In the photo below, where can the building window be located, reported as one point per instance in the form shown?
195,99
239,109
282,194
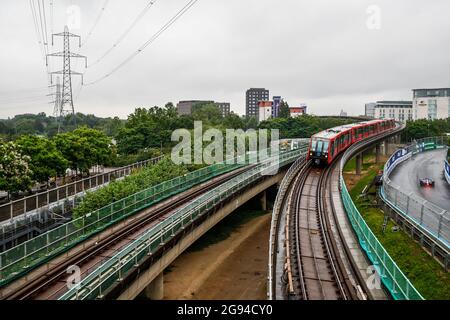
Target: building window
448,114
432,109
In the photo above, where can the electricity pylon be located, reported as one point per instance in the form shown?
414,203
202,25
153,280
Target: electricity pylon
66,100
57,103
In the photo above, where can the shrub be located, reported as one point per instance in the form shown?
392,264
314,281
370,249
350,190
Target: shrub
117,190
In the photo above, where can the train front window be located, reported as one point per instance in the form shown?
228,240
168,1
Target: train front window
319,146
313,145
325,146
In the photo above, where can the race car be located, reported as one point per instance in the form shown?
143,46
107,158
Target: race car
426,182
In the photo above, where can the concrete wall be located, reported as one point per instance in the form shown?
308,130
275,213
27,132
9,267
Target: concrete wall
146,277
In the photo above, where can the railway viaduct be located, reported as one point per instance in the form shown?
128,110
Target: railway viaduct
146,275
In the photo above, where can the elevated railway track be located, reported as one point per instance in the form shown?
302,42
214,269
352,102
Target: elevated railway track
311,255
49,282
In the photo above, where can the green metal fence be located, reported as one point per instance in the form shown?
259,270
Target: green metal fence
114,269
392,277
22,258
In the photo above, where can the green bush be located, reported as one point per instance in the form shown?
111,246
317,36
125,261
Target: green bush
117,190
126,160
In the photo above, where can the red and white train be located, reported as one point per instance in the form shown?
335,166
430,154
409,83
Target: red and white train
326,145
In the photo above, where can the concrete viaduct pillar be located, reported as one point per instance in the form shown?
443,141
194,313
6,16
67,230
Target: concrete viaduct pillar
264,201
378,153
386,147
155,290
359,163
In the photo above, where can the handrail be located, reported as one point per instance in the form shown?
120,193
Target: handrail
39,200
101,279
430,218
391,275
447,171
277,207
55,241
18,260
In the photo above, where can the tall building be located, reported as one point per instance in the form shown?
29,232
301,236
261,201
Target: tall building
370,110
399,110
431,103
185,107
224,108
276,106
253,97
265,110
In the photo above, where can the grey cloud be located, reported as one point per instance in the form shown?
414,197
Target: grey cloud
319,52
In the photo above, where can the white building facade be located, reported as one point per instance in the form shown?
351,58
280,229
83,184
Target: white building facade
431,104
401,111
265,110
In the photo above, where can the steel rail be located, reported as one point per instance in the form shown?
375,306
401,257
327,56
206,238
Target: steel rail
58,271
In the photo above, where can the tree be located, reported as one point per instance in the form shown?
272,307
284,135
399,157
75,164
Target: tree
207,112
284,110
84,148
15,174
150,128
45,159
233,121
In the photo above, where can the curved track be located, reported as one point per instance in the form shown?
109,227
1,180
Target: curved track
53,283
315,269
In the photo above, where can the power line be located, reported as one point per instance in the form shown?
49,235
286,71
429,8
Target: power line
45,23
155,36
127,31
95,23
51,17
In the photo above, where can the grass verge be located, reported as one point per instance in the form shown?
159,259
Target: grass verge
425,273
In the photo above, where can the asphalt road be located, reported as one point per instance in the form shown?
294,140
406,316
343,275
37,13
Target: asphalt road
429,164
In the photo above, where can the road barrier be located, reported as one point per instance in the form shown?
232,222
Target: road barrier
447,171
432,219
392,277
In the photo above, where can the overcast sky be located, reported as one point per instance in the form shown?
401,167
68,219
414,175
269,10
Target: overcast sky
328,54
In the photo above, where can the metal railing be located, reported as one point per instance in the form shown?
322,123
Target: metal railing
41,248
10,210
116,268
277,208
391,275
447,171
432,219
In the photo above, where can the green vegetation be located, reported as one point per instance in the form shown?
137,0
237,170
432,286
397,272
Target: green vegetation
284,110
425,273
302,127
46,160
41,124
15,173
84,148
35,159
425,128
367,163
152,128
117,190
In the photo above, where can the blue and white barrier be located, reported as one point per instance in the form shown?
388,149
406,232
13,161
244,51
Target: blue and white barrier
447,172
